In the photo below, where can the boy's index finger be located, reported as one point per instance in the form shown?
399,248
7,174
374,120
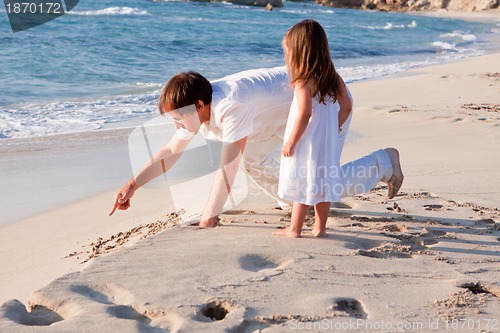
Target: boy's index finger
117,204
114,208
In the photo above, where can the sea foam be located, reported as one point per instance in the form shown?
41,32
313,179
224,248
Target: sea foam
112,11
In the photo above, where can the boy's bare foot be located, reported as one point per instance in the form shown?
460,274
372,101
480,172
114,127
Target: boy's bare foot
288,232
394,184
319,233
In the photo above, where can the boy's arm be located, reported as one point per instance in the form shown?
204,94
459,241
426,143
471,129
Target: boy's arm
304,105
230,160
160,163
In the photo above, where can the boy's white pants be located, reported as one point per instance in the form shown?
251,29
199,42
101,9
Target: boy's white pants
359,176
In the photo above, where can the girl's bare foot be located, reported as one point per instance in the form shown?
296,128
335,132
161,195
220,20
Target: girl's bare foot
319,233
288,232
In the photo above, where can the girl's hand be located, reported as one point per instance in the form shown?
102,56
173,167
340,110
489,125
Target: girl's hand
288,149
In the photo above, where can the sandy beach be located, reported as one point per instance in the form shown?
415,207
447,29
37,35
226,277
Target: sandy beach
426,261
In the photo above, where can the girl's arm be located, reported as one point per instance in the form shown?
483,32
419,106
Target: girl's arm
304,105
345,104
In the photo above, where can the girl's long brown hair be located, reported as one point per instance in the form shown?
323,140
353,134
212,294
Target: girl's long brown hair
308,57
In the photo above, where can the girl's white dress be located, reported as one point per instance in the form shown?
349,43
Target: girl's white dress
313,174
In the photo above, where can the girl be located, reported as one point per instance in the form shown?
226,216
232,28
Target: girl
310,163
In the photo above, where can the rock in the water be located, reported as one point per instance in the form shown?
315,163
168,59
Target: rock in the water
263,3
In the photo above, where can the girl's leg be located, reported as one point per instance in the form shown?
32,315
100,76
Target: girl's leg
299,212
322,210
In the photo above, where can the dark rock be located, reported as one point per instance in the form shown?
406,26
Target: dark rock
262,3
413,5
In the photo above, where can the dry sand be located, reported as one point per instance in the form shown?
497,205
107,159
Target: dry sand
427,260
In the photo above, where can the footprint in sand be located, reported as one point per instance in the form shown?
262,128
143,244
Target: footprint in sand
127,312
362,244
393,228
341,307
115,310
385,253
486,212
215,310
469,300
340,205
433,233
480,288
409,244
349,306
219,315
372,219
36,315
380,250
433,207
420,241
257,262
108,298
120,303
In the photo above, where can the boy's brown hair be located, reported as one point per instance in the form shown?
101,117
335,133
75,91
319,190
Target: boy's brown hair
308,57
184,89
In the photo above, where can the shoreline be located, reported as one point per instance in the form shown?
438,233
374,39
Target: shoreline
446,234
96,102
43,184
486,16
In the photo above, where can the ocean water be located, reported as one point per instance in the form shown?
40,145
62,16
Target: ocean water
105,61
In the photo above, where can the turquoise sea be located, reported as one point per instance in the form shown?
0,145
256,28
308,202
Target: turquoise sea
105,61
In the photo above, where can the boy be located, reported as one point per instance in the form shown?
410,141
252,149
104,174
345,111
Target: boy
248,112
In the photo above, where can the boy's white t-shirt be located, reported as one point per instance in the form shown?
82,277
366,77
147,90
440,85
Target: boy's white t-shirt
253,104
